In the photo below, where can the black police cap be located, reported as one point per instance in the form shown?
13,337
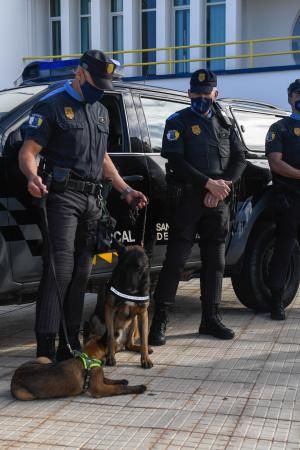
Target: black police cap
99,66
203,81
294,87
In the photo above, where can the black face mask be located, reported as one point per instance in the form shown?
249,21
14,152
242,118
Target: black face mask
297,105
90,93
201,104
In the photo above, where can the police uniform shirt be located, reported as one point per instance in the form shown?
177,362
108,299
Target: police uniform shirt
284,137
73,134
214,150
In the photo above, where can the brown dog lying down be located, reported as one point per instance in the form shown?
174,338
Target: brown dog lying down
41,378
125,302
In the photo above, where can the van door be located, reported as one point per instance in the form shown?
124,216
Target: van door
152,113
23,232
126,151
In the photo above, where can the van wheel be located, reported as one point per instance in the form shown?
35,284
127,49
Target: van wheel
251,286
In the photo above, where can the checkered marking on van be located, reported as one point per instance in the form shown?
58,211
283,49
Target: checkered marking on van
16,225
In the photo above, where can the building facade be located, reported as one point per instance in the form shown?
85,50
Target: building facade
32,28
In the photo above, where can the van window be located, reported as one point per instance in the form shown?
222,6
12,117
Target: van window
118,136
156,112
254,127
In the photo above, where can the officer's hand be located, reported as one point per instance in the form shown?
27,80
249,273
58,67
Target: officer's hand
218,188
210,201
36,187
136,199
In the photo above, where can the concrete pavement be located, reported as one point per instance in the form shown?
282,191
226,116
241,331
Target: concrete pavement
202,393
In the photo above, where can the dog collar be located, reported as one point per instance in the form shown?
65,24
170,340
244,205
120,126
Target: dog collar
88,364
134,298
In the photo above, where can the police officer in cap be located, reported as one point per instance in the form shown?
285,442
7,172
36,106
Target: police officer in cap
69,128
283,152
205,157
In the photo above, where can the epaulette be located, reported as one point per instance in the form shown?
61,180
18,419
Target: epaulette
173,116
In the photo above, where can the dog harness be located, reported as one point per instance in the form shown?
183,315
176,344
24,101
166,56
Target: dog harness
133,298
88,364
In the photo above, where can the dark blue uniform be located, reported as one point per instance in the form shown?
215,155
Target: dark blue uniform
284,137
73,135
198,148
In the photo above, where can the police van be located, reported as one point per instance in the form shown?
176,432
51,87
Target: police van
137,118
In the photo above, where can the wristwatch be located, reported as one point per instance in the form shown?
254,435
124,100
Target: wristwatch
125,192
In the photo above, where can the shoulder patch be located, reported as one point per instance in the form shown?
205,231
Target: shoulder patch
173,135
270,136
35,120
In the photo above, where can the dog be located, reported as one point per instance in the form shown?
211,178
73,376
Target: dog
43,379
125,303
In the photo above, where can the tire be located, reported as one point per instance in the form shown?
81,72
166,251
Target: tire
250,285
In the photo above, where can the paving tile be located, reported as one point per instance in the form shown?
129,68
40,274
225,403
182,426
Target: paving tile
267,429
18,427
272,409
119,438
225,389
202,393
216,404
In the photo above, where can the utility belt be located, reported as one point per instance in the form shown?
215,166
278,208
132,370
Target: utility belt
60,179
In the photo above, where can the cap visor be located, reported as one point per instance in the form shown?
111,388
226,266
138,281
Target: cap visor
202,89
102,83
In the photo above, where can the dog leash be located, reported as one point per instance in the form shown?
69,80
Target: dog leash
133,215
42,205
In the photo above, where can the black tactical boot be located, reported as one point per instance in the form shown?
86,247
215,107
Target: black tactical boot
63,352
211,323
45,345
276,307
157,334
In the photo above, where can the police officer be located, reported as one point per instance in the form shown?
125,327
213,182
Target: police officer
283,152
204,157
69,127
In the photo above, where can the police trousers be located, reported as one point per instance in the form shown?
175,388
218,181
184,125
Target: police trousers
72,220
286,206
192,217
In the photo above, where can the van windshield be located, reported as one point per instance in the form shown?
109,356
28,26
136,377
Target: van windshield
10,98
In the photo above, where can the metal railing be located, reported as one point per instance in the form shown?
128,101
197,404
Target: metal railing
170,61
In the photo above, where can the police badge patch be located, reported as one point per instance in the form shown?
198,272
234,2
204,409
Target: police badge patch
35,120
297,131
196,130
69,113
173,135
270,136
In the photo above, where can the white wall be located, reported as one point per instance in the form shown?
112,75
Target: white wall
22,24
269,87
269,18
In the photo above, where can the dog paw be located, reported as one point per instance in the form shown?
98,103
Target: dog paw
143,388
150,350
125,382
146,363
111,361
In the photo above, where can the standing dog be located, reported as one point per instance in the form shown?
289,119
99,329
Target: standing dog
41,378
126,301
